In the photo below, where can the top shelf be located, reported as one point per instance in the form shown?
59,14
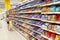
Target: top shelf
24,4
54,3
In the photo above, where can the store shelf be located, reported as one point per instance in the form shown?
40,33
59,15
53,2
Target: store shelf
39,11
23,4
55,22
50,13
35,31
27,33
51,31
41,27
53,3
38,33
29,12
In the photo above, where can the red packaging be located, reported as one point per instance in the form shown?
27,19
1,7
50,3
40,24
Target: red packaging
53,35
49,34
58,17
47,1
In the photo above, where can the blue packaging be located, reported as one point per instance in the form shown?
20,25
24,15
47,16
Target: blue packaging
58,9
40,1
44,17
52,8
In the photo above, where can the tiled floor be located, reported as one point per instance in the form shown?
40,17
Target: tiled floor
9,35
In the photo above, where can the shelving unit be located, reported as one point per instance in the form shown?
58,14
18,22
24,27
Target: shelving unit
39,26
33,18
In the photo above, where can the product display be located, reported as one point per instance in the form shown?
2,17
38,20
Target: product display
40,22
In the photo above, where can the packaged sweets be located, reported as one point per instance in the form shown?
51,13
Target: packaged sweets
49,17
58,9
45,9
52,8
39,16
49,34
57,37
35,28
44,17
40,30
41,1
57,28
45,33
47,1
50,26
35,15
58,17
38,37
53,35
45,25
53,26
53,18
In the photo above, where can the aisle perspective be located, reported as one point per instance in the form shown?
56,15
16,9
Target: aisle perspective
37,20
4,33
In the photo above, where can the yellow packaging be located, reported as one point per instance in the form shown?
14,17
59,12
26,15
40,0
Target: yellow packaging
57,37
53,18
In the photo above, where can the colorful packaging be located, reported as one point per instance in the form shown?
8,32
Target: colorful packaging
58,9
53,35
57,37
50,27
58,17
57,28
44,17
49,34
40,30
45,9
53,18
52,8
49,17
41,1
45,25
47,1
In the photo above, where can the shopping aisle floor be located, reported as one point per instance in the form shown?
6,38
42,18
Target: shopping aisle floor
9,35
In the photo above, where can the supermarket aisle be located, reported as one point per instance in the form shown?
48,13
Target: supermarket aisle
9,35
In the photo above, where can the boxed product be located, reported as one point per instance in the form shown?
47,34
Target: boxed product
49,17
45,9
45,25
47,1
57,28
53,18
44,17
53,9
39,16
50,26
58,9
40,30
57,37
58,17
